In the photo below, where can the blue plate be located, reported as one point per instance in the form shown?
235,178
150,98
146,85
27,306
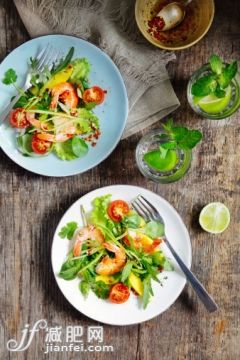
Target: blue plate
112,113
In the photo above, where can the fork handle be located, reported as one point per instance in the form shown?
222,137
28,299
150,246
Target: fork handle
202,293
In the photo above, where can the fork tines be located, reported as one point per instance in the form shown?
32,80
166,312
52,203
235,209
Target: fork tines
142,208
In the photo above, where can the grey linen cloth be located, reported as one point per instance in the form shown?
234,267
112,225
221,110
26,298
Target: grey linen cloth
110,24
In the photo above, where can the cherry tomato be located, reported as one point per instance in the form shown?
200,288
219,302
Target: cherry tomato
119,293
95,94
40,146
18,118
117,209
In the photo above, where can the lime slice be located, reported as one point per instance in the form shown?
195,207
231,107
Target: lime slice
214,218
212,104
154,160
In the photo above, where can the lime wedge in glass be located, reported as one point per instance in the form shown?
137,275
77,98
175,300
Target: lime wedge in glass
214,218
212,104
154,160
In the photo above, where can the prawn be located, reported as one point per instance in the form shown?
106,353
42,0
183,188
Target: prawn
54,138
34,122
89,232
108,265
66,93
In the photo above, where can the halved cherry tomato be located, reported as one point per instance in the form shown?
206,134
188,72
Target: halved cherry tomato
119,293
94,95
18,118
117,209
40,146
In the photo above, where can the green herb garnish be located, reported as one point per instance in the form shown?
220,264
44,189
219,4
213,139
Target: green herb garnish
10,77
68,230
215,83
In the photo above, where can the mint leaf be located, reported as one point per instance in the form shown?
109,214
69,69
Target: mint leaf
179,133
170,145
169,124
204,85
68,230
216,64
219,92
10,77
190,140
228,73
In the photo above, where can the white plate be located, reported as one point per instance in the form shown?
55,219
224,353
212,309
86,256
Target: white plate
130,312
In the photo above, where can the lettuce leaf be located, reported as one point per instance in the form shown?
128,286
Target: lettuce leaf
99,215
24,146
85,119
71,149
64,150
81,69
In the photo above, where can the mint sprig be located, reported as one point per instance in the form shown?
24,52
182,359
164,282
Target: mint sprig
179,137
220,78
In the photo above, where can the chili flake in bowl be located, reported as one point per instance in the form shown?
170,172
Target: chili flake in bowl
196,23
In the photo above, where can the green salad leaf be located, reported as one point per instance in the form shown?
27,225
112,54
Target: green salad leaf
10,77
101,289
21,103
147,291
158,258
63,62
71,149
84,287
24,144
132,221
126,271
64,150
70,268
99,215
154,229
79,147
68,230
81,70
83,115
168,266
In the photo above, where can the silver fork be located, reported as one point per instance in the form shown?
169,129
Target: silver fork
47,57
145,209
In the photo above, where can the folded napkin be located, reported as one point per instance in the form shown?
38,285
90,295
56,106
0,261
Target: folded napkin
111,25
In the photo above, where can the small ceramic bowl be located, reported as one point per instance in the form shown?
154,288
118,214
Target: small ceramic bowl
197,21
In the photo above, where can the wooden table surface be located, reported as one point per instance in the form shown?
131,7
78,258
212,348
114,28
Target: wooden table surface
32,205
